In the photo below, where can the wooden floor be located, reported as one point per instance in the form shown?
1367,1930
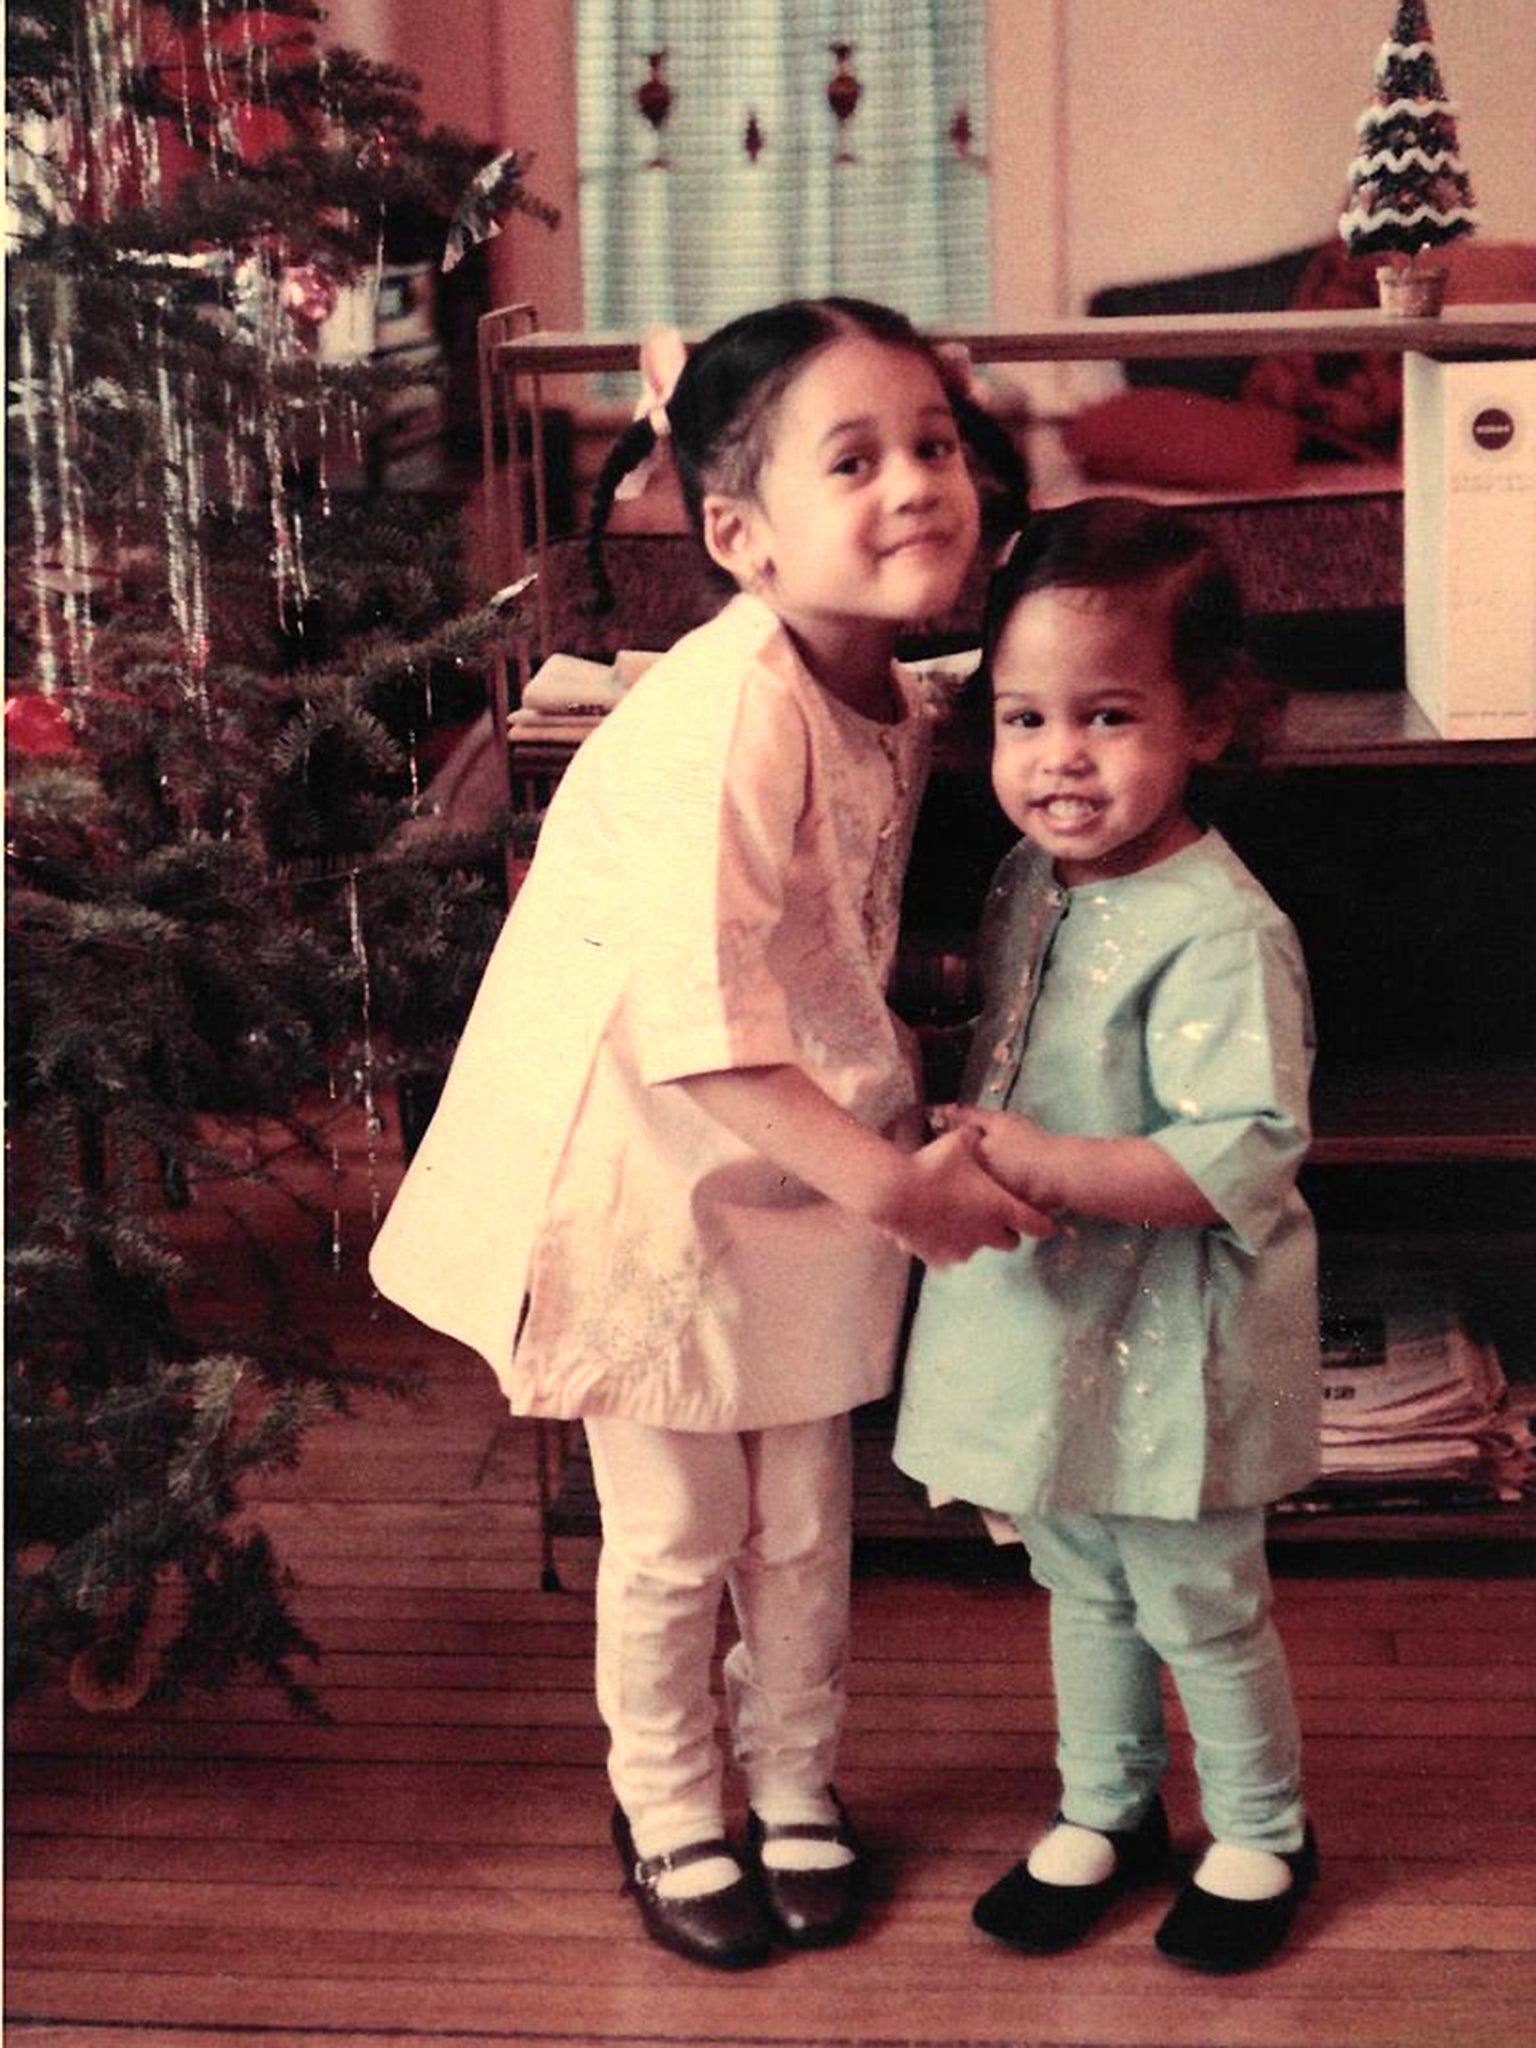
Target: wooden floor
433,1867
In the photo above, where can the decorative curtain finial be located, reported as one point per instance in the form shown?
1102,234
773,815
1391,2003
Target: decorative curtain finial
962,137
843,95
654,99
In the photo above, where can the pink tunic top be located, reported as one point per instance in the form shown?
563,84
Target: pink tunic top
717,886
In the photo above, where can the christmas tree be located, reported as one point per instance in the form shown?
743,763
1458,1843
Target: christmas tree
1407,189
224,649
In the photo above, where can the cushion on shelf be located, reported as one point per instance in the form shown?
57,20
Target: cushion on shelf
1353,404
1263,287
1349,404
565,683
1345,404
1489,273
1159,435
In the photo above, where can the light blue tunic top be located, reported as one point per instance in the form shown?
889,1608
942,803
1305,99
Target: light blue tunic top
1116,1368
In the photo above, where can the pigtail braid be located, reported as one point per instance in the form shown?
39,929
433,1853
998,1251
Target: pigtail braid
636,442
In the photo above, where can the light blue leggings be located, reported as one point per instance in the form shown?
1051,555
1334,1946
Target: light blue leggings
1129,1595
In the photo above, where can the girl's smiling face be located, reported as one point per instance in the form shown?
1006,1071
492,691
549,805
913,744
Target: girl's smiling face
863,516
1093,735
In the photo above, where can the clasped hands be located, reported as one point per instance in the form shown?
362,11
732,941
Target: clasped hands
968,1188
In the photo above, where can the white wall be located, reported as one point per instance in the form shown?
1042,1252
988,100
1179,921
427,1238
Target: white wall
1185,134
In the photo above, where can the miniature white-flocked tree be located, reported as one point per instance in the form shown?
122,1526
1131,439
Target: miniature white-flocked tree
1408,192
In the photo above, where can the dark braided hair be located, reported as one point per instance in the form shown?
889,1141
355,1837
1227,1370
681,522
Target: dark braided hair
1117,543
721,414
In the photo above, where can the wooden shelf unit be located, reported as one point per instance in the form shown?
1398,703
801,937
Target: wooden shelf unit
1462,1115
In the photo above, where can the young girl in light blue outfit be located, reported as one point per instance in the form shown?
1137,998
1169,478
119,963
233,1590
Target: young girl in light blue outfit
1133,1390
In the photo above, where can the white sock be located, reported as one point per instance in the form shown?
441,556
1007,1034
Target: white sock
710,1874
796,1853
1229,1871
1071,1855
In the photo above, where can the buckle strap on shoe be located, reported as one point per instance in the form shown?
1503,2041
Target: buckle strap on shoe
803,1830
840,1830
649,1868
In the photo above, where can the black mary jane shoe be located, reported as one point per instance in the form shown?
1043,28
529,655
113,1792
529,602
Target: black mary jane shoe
1224,1936
725,1929
1042,1919
810,1908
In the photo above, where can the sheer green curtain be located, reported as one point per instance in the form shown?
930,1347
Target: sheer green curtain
715,232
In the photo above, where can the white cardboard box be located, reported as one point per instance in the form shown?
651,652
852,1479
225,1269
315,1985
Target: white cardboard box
1469,544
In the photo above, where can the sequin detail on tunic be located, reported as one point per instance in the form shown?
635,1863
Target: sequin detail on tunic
1003,1059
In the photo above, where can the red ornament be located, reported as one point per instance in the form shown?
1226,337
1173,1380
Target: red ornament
843,95
654,99
36,728
754,140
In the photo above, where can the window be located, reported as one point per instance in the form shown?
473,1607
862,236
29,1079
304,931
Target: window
743,186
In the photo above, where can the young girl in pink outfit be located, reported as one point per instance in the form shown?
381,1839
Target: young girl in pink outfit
675,1179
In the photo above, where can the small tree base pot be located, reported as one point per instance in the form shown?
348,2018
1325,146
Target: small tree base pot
1411,291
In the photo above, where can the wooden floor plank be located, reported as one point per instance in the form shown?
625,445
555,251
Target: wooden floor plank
64,1923
587,2006
985,1805
559,1701
528,1967
1361,1865
529,1743
475,1669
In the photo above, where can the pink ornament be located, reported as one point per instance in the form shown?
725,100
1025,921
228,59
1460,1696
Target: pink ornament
310,294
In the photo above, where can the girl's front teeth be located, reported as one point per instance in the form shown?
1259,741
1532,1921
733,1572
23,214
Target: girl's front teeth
1069,810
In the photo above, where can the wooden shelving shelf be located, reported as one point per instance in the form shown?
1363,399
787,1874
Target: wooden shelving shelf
507,344
1421,1116
1495,1522
1377,729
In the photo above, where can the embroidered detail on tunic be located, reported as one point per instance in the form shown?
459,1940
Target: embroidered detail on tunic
882,892
635,1324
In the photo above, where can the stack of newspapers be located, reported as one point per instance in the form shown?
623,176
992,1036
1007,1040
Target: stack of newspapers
1416,1409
